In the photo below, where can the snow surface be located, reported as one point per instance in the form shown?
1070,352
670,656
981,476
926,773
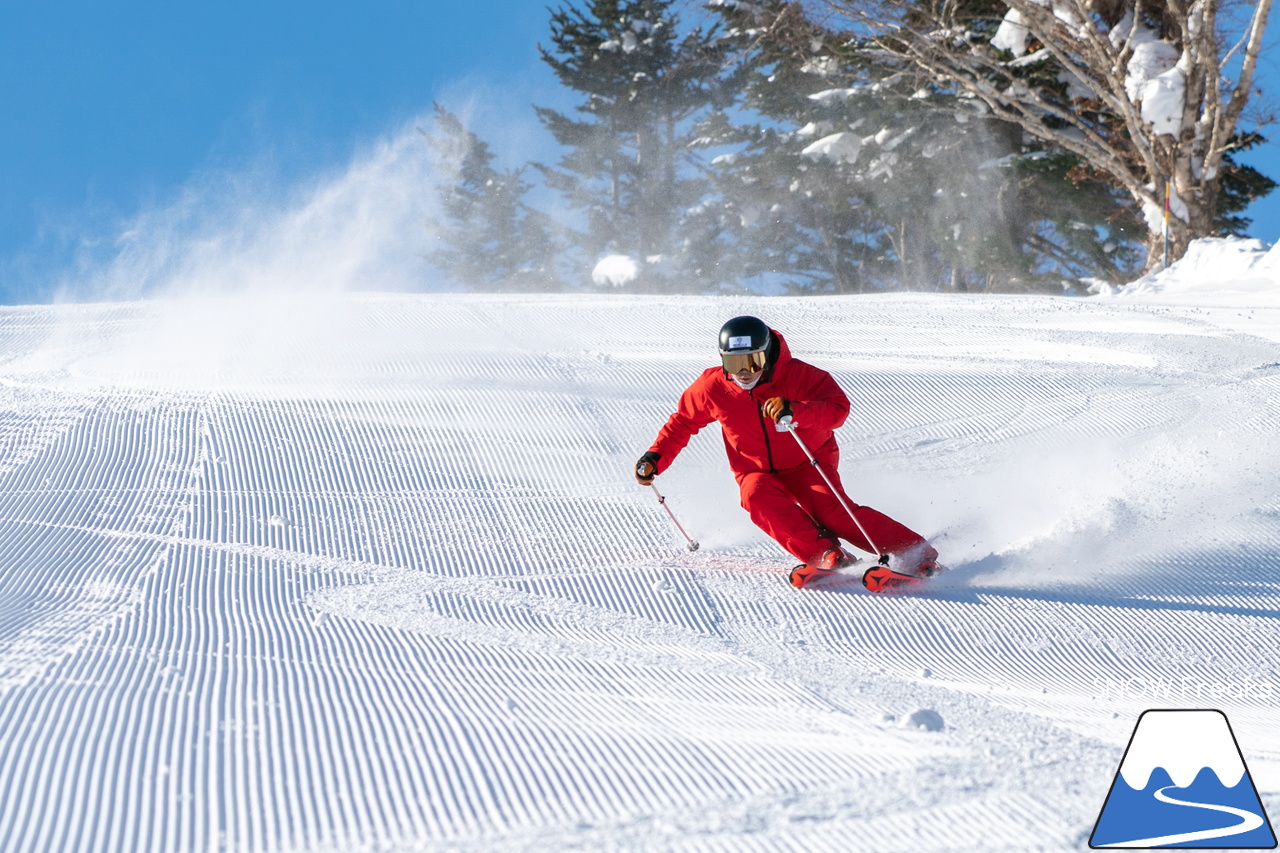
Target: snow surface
358,573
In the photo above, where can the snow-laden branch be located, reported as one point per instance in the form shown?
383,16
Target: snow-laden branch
1139,94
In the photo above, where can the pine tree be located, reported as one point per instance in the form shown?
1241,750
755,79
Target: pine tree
874,181
630,168
490,240
799,222
1240,187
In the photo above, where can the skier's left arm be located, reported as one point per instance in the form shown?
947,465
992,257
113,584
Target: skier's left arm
818,402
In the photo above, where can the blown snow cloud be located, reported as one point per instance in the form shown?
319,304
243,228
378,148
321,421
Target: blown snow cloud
359,227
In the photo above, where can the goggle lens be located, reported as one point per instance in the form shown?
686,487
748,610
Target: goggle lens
751,361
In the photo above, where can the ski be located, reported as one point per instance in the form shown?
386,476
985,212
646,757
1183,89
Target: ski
883,579
840,577
879,578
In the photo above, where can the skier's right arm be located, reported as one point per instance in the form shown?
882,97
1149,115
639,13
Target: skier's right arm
693,413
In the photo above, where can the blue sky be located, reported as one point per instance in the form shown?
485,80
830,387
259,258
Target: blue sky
109,108
113,108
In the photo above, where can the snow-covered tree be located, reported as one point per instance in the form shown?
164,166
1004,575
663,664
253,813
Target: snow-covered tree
859,180
489,240
629,165
797,218
1148,94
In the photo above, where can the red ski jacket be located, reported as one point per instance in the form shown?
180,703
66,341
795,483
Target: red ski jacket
818,404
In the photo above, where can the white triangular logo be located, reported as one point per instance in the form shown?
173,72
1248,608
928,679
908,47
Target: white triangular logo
1183,783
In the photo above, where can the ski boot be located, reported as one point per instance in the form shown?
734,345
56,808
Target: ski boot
927,568
831,561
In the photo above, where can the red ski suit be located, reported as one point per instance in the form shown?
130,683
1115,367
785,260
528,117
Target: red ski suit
785,496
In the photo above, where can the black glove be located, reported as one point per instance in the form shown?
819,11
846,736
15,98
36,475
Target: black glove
777,408
647,468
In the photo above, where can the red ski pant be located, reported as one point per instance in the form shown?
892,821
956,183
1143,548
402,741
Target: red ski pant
801,514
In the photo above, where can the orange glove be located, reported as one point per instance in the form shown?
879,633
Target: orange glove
777,408
647,468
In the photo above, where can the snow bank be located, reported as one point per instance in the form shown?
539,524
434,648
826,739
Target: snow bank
1215,265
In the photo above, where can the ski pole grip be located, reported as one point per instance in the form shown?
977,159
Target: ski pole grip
647,468
784,424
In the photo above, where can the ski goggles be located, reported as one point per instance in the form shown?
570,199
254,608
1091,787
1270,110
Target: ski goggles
749,361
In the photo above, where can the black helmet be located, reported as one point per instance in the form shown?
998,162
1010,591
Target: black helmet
744,343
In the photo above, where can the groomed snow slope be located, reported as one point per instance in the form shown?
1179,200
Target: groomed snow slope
371,573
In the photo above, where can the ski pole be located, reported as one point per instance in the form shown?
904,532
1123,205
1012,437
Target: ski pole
788,424
1168,189
693,546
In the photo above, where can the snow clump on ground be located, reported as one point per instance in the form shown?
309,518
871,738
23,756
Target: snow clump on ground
925,719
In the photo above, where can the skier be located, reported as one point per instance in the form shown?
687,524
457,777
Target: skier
759,384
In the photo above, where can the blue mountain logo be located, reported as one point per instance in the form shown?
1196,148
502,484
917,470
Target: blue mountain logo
1183,783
